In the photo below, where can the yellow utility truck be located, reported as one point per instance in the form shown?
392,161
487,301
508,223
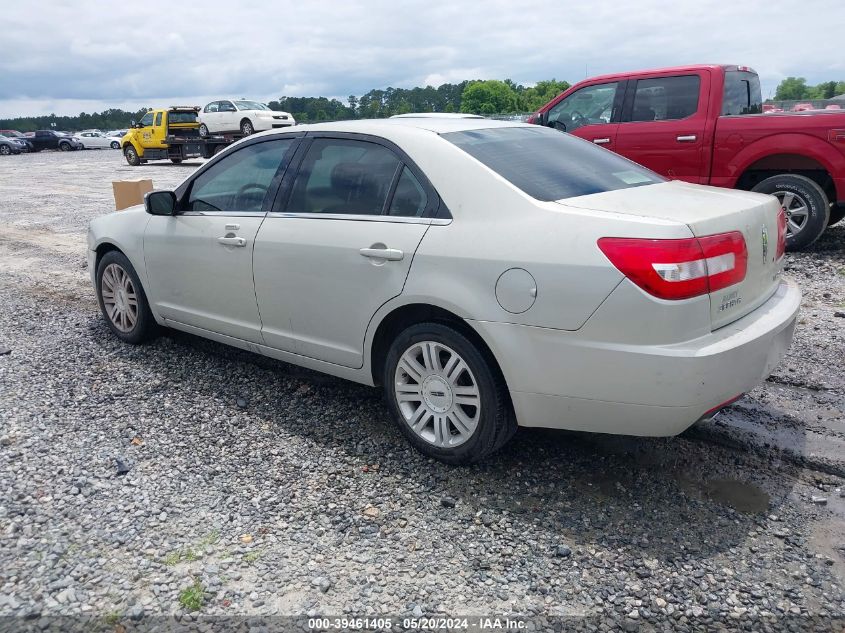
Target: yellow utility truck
169,134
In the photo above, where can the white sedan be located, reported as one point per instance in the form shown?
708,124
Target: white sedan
241,117
94,139
485,274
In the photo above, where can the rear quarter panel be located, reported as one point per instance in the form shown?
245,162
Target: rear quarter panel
742,141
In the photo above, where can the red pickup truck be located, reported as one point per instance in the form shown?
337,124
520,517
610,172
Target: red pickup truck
704,124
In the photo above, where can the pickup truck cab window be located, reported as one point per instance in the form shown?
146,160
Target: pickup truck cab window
158,119
666,98
147,120
592,105
742,93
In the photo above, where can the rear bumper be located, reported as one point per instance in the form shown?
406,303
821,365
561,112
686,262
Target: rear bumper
560,380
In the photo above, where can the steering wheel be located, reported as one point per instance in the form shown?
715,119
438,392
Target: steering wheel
252,185
579,118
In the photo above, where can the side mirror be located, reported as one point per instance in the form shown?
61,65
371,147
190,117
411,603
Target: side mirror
132,123
543,118
160,202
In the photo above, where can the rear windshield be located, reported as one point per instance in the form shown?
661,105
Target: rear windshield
742,93
182,117
551,165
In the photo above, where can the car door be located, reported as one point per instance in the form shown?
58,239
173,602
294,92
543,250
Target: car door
228,117
338,245
199,261
663,126
590,112
211,116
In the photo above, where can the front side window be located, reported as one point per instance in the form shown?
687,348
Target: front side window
548,165
343,176
226,106
147,120
666,98
592,105
241,180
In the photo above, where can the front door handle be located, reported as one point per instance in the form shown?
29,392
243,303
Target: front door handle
389,254
688,138
601,141
231,241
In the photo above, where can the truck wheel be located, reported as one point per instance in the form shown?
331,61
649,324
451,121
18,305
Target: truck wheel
203,129
131,156
246,127
837,212
805,203
175,161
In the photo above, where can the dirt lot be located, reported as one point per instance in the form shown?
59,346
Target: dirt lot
183,475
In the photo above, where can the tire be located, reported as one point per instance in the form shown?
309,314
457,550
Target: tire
203,129
801,194
247,127
837,212
459,433
5,150
175,161
65,147
115,145
121,281
131,156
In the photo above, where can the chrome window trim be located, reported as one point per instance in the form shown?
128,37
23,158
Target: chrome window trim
396,219
232,214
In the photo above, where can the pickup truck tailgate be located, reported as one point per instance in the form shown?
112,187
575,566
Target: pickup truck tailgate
708,211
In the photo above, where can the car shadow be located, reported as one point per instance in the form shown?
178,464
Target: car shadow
668,497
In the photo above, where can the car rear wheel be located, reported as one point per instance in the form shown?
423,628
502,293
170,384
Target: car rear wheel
115,145
5,150
247,127
122,299
447,397
203,129
805,204
131,156
65,146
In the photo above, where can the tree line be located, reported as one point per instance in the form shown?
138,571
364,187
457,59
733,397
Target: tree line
475,96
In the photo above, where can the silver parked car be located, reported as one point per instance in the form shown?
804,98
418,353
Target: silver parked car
486,274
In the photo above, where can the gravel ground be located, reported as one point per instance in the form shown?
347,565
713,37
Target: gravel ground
189,479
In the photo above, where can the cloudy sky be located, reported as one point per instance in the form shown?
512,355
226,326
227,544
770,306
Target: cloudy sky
69,56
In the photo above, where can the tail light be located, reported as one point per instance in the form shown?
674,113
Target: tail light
781,247
679,269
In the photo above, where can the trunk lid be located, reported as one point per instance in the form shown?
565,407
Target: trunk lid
708,211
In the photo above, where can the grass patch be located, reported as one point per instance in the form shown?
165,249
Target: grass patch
251,557
209,539
192,597
112,618
172,558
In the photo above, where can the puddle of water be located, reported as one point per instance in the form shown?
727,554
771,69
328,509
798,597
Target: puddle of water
739,495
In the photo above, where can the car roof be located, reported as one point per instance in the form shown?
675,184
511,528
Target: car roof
380,127
670,70
436,115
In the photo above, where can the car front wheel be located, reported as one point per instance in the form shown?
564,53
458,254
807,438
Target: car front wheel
5,150
447,396
131,156
122,299
65,147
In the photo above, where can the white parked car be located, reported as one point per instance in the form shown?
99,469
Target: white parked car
485,274
436,115
94,139
241,116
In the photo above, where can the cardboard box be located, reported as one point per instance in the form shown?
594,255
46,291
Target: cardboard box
128,193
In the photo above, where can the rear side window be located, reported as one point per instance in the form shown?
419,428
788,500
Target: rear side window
666,98
343,176
742,93
550,165
158,118
409,199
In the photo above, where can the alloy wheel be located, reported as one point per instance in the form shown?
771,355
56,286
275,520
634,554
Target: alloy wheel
119,298
437,394
796,210
4,150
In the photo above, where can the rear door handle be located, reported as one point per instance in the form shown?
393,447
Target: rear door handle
688,138
390,254
231,241
601,141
